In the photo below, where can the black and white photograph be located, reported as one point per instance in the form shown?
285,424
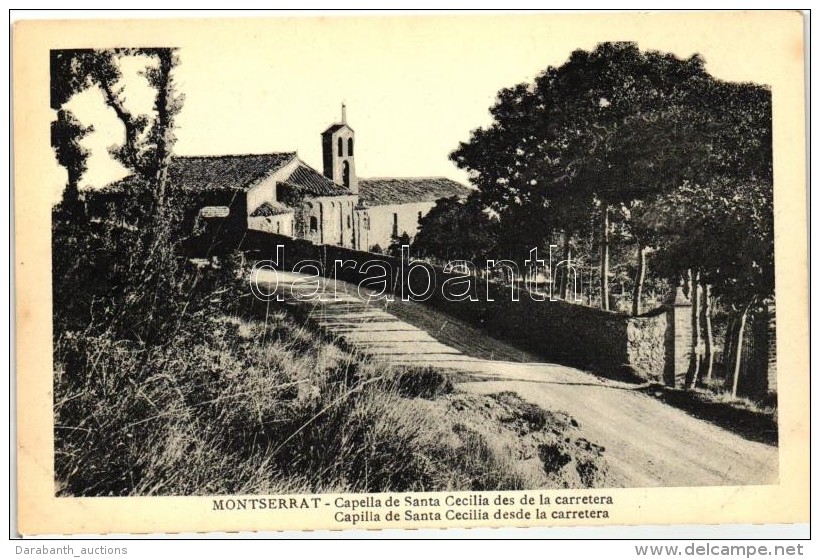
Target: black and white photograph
337,263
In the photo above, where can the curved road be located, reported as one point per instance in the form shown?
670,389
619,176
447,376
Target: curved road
648,443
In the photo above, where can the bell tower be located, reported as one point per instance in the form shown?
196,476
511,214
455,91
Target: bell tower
338,145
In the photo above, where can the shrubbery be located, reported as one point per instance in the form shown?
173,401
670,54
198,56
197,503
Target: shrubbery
167,383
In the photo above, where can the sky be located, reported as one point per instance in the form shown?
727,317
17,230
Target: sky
414,86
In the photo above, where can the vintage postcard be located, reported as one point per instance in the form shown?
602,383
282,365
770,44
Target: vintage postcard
374,271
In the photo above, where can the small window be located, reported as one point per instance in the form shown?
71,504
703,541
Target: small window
341,143
349,225
278,226
350,146
314,224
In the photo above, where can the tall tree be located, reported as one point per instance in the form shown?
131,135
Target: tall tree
612,125
145,150
148,138
457,229
725,230
66,136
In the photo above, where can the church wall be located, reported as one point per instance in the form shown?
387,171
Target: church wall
265,190
334,220
311,210
360,225
332,232
281,224
339,217
381,222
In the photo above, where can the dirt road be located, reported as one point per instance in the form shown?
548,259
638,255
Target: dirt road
647,442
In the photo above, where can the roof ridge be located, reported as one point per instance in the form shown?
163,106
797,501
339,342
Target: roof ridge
223,156
273,204
426,177
336,126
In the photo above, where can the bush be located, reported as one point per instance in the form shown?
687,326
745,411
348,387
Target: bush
423,382
108,277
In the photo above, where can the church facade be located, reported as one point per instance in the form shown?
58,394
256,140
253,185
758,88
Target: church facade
284,195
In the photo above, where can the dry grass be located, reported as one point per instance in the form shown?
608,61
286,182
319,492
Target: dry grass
716,391
169,388
233,405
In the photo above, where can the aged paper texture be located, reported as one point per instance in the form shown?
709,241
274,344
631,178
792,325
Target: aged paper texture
330,413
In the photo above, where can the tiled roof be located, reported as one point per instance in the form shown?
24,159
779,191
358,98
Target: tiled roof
239,172
305,180
268,210
224,171
387,191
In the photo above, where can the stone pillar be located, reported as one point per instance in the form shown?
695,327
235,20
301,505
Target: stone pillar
678,339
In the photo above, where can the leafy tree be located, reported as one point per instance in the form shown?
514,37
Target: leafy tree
396,242
153,273
676,160
456,229
607,129
716,229
66,135
148,138
724,233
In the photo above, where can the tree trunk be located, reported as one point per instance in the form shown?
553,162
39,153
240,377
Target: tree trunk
565,278
729,347
709,355
741,328
640,276
692,374
605,258
71,197
128,122
164,107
